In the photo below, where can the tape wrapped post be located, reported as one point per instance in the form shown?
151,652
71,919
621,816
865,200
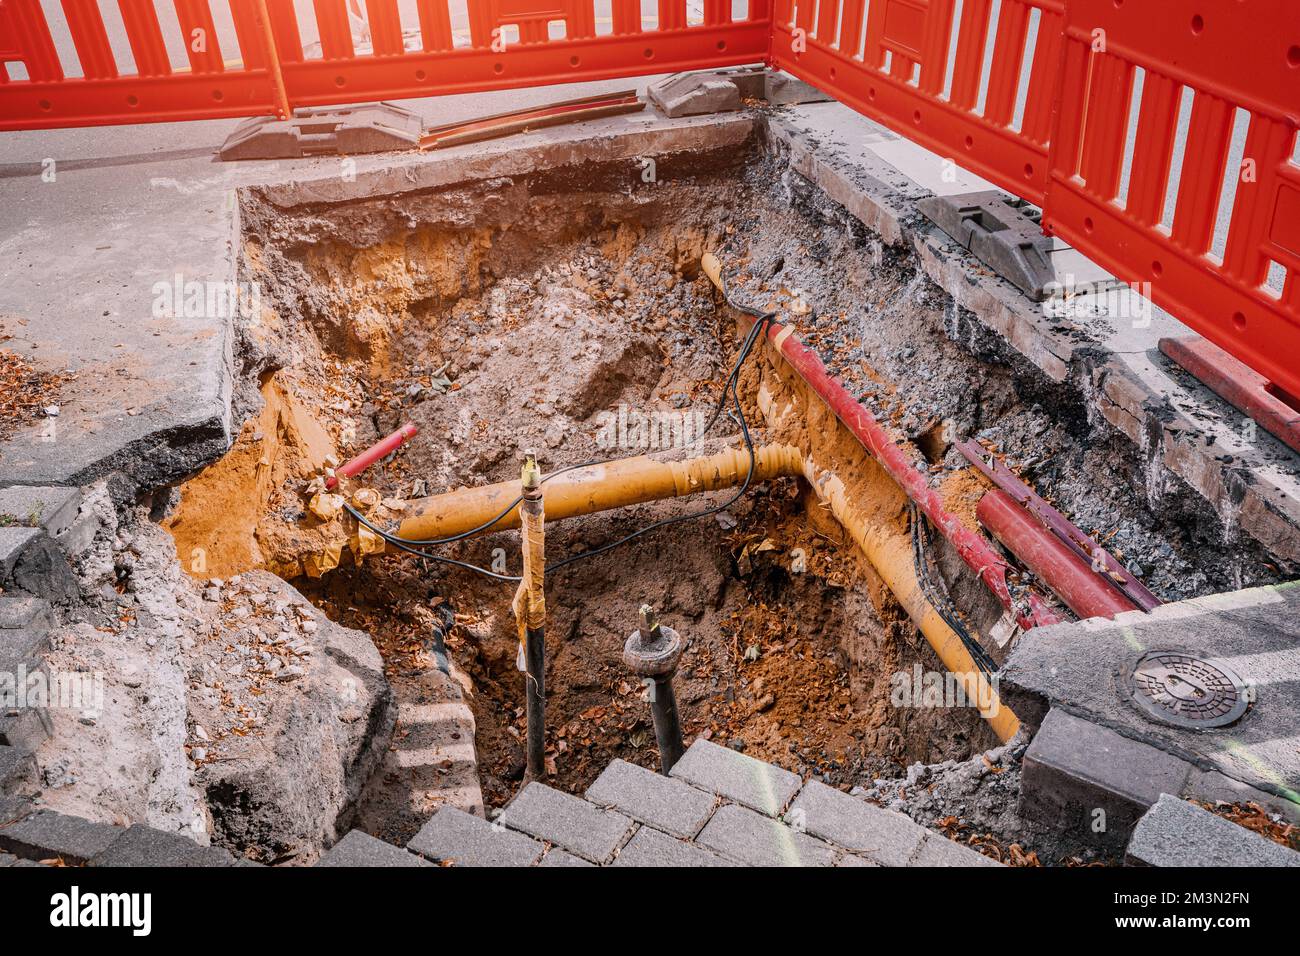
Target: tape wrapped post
529,604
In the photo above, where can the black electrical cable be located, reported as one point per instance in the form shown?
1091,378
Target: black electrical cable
941,603
430,542
403,546
749,476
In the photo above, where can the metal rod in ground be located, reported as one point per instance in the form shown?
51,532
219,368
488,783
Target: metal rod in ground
652,653
668,728
530,611
535,656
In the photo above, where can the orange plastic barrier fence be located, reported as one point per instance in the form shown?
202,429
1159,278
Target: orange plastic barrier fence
184,72
1221,252
1091,109
942,73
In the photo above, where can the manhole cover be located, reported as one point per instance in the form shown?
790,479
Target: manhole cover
1187,691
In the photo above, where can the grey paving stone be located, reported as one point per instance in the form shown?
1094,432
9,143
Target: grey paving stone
558,857
361,849
649,847
47,834
885,836
756,840
467,840
140,845
7,859
666,804
741,779
1074,768
938,850
694,94
568,821
1177,833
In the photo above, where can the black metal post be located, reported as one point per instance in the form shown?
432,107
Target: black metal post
668,728
535,660
652,652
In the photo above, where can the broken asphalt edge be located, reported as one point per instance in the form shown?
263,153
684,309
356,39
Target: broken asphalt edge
1259,498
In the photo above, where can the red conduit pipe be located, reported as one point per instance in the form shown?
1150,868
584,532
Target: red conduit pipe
381,449
978,554
1083,591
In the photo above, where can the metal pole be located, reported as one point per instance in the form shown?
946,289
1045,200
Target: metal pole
652,652
668,729
280,95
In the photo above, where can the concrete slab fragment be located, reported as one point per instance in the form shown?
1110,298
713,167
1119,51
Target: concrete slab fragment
782,89
30,560
1176,833
46,834
24,611
1092,782
694,94
52,509
1255,633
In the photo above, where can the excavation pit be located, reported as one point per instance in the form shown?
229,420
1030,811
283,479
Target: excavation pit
564,309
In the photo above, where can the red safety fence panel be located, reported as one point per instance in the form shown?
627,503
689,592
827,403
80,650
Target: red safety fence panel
974,81
179,75
1222,251
178,66
1038,96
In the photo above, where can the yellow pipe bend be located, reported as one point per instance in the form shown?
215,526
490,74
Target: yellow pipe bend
635,480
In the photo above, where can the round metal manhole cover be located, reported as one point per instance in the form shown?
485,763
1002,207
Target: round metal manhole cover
1187,691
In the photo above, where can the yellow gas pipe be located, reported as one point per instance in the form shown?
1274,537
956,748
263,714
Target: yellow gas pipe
635,480
594,488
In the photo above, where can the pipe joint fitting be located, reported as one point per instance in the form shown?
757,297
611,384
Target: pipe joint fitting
657,657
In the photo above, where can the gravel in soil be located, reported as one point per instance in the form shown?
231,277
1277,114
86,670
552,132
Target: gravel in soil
453,319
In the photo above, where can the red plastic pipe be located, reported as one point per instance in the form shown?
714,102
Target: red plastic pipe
381,449
1083,591
978,554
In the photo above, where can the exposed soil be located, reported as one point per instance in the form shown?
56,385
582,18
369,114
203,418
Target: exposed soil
508,315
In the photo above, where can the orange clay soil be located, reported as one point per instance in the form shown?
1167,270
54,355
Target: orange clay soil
227,522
